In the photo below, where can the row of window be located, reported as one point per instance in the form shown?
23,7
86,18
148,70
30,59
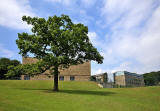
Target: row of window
134,81
61,78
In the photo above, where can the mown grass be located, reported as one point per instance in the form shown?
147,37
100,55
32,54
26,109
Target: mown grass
75,96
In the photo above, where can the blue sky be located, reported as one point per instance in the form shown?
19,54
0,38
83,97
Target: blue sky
126,33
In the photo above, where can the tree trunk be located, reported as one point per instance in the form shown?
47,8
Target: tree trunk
55,78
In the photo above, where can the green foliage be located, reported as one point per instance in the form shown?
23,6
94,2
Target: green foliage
27,69
4,64
152,78
14,71
58,42
15,62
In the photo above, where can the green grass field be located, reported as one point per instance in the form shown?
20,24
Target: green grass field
75,96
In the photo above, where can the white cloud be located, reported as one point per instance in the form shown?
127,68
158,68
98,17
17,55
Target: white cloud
11,12
100,71
76,9
5,52
135,35
88,3
96,40
64,2
93,37
84,17
128,12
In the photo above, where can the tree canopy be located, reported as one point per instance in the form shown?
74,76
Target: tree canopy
4,64
152,78
58,42
27,69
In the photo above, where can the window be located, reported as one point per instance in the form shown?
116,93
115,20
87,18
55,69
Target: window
72,78
61,78
26,77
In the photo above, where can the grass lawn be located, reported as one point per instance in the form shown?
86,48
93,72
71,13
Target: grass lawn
18,95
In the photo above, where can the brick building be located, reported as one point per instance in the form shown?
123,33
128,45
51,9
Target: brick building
81,72
124,78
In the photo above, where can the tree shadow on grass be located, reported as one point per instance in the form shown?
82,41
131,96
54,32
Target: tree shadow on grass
87,92
78,92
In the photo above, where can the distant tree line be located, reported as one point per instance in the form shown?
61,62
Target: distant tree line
13,69
152,78
5,65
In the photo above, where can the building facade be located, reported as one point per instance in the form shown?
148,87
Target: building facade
81,72
101,78
124,78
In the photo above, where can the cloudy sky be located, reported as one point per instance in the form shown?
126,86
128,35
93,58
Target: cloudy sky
125,32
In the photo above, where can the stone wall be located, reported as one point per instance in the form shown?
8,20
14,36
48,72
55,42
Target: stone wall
29,60
120,80
81,72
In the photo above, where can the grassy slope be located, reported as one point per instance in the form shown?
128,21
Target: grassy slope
75,96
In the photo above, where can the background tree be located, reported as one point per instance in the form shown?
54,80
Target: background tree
27,69
4,64
14,71
152,78
58,42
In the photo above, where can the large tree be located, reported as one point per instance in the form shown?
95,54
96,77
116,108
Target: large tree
58,42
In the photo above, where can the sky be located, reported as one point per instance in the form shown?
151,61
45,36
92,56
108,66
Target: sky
125,32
